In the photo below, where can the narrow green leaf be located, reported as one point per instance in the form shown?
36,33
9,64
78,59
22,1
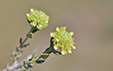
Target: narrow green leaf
26,45
44,55
40,61
34,54
30,65
56,52
20,40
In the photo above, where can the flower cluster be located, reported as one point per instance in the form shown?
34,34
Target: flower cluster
37,19
63,40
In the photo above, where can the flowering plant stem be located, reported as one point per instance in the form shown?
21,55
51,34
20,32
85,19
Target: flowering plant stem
61,39
23,42
45,54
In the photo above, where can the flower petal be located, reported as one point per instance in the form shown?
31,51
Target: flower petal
69,50
55,47
28,15
63,52
52,35
57,29
71,33
32,10
73,47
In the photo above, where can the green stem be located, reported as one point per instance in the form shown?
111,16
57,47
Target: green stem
20,47
47,51
24,41
26,38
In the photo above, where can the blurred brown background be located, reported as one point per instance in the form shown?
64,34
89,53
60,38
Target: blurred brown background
91,21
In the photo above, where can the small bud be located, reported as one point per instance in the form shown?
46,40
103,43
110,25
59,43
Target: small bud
73,47
52,35
40,25
55,47
28,15
47,18
35,19
71,33
57,29
33,24
57,39
46,22
32,10
62,46
63,52
69,50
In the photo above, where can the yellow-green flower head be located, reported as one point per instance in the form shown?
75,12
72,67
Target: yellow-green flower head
37,19
63,40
